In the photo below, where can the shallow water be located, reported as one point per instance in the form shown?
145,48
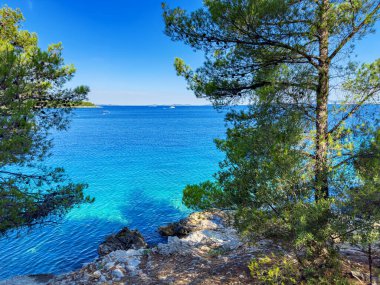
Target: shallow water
137,161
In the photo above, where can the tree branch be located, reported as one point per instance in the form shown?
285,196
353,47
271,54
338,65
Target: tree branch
22,175
353,32
350,113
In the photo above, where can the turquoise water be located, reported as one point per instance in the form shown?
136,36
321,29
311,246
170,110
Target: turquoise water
137,161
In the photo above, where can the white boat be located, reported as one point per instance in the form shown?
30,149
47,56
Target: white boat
172,107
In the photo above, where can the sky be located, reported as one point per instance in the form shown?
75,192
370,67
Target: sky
120,50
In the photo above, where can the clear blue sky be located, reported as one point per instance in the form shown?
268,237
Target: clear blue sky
120,50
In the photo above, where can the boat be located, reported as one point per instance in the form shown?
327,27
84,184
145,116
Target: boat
172,107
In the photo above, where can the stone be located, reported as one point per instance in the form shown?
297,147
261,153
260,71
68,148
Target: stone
123,240
20,280
210,220
358,275
191,258
174,229
130,259
97,274
109,265
117,273
121,256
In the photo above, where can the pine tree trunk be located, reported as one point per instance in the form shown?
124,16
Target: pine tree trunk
321,162
370,263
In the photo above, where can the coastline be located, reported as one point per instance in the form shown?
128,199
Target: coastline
86,107
203,248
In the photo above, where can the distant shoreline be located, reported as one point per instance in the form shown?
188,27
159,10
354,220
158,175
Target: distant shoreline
86,107
165,105
210,105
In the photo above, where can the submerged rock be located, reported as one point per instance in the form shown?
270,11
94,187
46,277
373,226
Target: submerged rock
37,279
123,240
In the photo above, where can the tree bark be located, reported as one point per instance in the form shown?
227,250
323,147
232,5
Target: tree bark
321,161
370,263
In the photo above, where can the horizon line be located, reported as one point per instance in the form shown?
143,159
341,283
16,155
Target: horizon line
203,105
152,105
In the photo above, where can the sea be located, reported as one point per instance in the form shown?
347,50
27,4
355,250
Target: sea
136,161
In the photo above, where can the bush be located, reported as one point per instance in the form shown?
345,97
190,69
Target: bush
285,270
270,269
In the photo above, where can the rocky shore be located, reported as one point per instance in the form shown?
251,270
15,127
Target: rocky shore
203,248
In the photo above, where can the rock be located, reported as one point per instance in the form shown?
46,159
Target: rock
174,245
109,265
21,280
123,240
208,251
97,274
200,242
198,233
208,220
358,275
174,229
130,258
120,256
117,273
37,279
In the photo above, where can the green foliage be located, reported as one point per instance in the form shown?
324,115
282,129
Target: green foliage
364,201
203,196
284,270
296,170
83,104
240,49
274,270
32,88
360,214
266,179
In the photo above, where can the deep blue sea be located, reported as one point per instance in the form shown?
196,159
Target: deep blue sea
136,161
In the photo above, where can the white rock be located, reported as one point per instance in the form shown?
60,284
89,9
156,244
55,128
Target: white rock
131,258
97,274
124,255
109,265
117,273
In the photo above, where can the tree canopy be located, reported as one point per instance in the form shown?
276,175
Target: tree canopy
297,46
32,90
294,162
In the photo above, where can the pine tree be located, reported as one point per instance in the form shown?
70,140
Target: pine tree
292,168
33,101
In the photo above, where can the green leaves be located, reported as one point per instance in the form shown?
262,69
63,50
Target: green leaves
290,148
271,269
182,69
32,92
206,195
366,82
